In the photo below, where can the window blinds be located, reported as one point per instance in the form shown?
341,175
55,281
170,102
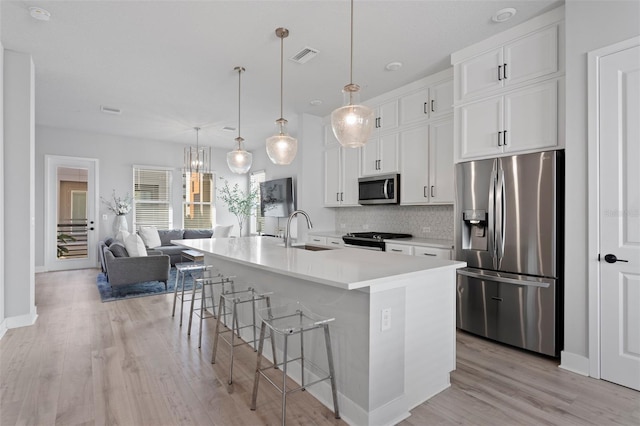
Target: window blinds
152,198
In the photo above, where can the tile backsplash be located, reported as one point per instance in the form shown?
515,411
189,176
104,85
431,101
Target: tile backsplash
405,219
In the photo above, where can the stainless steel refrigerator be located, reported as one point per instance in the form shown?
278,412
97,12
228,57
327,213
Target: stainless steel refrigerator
509,229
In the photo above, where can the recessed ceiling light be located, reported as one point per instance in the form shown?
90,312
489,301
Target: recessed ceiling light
504,15
39,13
316,102
393,66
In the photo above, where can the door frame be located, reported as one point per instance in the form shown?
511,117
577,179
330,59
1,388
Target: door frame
593,138
51,163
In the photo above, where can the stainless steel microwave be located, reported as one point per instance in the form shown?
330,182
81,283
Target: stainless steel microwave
382,189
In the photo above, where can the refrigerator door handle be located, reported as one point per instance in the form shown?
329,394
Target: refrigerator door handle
491,237
500,216
501,278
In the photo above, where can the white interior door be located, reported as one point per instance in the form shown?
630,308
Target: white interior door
70,214
619,109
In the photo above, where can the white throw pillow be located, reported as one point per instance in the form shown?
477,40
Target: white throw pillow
122,236
221,231
135,246
150,236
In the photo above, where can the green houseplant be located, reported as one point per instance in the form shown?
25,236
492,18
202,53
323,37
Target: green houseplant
240,203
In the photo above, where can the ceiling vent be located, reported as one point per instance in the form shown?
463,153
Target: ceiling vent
305,55
229,129
110,110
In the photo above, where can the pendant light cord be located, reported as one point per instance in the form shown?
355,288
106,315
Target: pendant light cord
351,64
281,73
239,80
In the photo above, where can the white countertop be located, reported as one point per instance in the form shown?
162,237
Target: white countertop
346,268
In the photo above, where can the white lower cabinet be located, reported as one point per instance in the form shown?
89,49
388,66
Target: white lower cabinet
432,252
335,241
399,248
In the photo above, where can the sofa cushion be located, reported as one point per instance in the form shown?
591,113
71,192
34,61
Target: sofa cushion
150,236
118,249
197,233
135,246
122,235
221,231
166,235
108,241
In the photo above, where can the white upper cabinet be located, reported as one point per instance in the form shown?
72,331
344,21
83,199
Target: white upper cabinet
427,102
386,116
341,172
380,155
426,158
508,90
522,120
525,59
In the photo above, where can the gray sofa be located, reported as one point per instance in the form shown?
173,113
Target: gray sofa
121,269
175,252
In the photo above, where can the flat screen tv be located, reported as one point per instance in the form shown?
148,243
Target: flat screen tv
277,198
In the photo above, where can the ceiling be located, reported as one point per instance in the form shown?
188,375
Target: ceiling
169,65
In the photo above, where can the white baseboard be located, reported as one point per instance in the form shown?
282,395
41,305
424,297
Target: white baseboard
3,328
40,269
22,320
575,363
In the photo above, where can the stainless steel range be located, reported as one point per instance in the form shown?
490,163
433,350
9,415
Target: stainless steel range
371,240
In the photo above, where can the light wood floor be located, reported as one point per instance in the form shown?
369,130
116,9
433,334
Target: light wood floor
129,363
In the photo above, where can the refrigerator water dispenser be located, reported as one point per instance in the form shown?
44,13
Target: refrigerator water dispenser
474,233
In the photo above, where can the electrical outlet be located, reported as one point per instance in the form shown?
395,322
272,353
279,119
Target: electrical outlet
426,230
385,322
104,217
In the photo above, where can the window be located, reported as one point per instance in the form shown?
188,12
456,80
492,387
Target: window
257,221
152,197
198,201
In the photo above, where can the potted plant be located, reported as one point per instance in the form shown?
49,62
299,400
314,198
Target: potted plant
241,204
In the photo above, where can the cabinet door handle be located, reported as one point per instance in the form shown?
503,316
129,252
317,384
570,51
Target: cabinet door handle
432,107
504,138
342,196
499,72
499,138
396,250
504,71
424,108
430,254
380,122
424,192
337,196
433,192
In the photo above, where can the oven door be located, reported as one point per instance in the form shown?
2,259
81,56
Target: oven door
379,189
374,248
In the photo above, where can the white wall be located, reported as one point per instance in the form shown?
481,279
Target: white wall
19,217
589,25
3,325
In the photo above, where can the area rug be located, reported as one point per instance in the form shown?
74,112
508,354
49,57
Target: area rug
151,288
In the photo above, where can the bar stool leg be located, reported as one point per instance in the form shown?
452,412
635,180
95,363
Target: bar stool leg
284,379
221,307
327,341
256,380
175,294
193,297
182,298
301,356
202,309
234,319
273,340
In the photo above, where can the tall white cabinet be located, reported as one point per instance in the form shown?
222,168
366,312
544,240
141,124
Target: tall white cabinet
509,91
341,171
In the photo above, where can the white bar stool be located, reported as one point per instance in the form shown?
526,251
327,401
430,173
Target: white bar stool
289,320
235,299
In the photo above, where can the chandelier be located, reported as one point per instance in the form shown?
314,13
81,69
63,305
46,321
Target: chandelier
282,148
197,159
239,160
352,123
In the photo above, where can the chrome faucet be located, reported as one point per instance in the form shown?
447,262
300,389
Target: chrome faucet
287,235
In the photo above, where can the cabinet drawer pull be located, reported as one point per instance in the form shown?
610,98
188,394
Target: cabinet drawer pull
335,242
499,299
430,254
316,240
396,250
499,72
500,138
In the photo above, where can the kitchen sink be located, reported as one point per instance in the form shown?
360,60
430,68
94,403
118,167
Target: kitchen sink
310,247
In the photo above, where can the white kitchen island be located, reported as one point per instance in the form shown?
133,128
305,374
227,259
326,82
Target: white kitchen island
383,368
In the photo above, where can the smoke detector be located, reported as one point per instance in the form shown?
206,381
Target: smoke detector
305,55
504,15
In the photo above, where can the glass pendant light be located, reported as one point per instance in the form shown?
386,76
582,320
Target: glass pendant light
282,148
196,159
239,160
352,123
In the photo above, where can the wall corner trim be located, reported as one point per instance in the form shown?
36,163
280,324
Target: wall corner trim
575,363
3,328
22,320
